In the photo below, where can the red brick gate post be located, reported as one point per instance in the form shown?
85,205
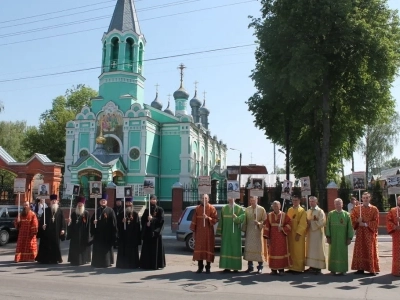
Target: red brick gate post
177,203
332,195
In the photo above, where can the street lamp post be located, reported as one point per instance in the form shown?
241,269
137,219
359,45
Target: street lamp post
240,168
287,163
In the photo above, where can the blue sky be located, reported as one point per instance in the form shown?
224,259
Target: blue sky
198,25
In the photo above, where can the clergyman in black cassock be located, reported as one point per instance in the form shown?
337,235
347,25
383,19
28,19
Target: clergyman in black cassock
152,255
103,232
51,234
78,232
129,239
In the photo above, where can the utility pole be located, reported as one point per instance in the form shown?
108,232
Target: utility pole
274,158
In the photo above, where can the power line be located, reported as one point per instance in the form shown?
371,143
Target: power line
59,11
108,16
151,59
92,19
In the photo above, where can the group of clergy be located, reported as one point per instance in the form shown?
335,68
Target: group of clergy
92,238
292,241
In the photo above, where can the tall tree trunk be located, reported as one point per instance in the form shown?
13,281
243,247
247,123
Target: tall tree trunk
324,153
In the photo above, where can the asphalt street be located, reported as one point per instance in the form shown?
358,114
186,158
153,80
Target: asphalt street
32,281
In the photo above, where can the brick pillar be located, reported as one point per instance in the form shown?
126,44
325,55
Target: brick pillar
111,196
177,203
332,189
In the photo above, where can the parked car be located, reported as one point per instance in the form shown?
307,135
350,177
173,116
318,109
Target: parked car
8,213
184,234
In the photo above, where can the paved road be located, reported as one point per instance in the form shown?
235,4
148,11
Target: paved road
28,280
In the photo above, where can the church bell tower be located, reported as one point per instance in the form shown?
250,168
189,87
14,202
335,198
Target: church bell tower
121,79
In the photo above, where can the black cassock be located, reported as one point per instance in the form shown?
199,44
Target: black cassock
152,255
104,237
78,232
128,241
49,246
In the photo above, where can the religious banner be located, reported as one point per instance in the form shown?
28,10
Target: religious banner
123,191
19,185
257,187
286,189
393,184
305,186
95,189
204,185
43,191
358,180
233,189
72,189
148,185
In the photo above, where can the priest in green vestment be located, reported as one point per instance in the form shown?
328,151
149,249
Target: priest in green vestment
339,233
231,239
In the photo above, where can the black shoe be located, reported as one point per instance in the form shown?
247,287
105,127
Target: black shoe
273,272
226,271
208,271
359,272
249,270
199,270
235,271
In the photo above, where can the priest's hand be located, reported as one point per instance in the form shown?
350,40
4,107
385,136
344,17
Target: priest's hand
256,223
205,216
123,220
44,227
62,232
69,221
95,222
149,218
359,220
348,242
328,240
297,237
234,216
148,224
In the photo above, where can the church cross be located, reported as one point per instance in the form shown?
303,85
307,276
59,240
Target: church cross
181,67
157,85
195,85
204,93
113,65
169,97
53,219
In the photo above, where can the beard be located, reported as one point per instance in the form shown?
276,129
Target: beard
54,208
25,211
80,210
128,209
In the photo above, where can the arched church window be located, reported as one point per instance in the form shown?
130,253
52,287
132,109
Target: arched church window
114,53
104,56
140,58
112,145
129,51
83,153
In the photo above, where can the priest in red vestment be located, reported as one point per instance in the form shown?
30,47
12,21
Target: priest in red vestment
365,220
276,229
27,225
204,218
393,228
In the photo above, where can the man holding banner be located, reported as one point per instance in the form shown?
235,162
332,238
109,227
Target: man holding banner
27,226
393,228
152,256
231,237
204,218
365,220
297,236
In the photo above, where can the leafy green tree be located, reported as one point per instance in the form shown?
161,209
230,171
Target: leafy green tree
392,163
49,137
12,135
379,141
323,71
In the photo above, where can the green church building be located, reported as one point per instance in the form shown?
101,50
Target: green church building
121,139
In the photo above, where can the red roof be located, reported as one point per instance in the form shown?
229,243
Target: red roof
233,171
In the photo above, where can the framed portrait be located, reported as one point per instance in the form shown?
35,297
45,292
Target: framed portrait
95,188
